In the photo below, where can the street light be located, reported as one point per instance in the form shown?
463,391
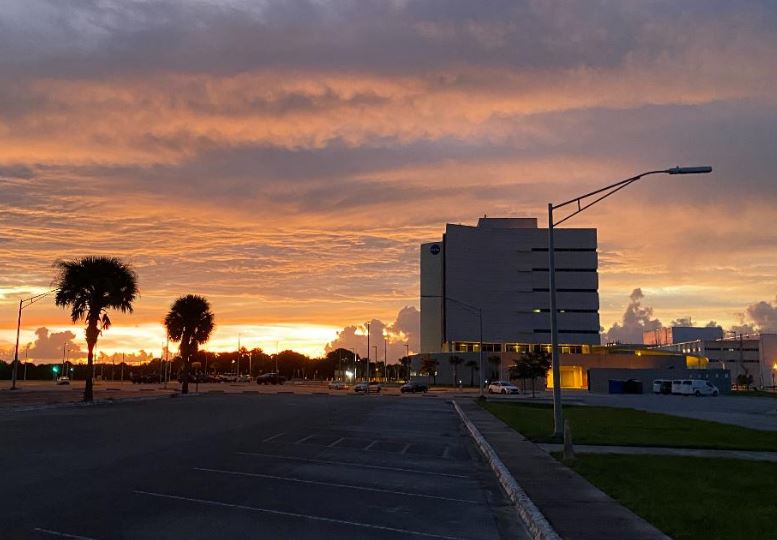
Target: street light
603,193
23,303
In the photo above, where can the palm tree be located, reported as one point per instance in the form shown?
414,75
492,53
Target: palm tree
92,286
190,322
472,365
496,361
455,361
429,366
406,363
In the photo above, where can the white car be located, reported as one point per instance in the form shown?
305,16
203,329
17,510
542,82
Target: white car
367,388
502,387
337,385
63,380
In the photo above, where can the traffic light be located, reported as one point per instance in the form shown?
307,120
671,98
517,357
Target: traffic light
55,369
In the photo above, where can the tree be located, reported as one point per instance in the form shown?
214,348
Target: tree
495,361
190,322
473,366
455,362
406,362
92,286
531,365
429,367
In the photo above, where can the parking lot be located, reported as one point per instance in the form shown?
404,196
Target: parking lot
247,466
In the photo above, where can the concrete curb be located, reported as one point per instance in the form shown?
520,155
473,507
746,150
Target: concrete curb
538,525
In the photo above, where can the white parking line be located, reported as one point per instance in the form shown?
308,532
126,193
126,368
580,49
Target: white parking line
361,465
268,439
303,439
373,443
338,441
335,485
295,515
405,449
61,534
446,453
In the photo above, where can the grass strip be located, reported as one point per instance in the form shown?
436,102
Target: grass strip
690,498
630,427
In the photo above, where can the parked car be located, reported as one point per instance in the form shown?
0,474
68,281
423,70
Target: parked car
413,387
502,387
662,386
364,387
270,378
337,385
244,378
63,380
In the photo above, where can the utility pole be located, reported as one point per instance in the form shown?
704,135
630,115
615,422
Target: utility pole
122,367
385,359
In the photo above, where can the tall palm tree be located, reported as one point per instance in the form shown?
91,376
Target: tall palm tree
190,322
472,365
92,286
455,362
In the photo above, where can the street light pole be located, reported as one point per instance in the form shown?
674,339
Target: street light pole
368,360
23,303
601,194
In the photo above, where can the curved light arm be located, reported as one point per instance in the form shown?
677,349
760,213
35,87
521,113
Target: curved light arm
617,186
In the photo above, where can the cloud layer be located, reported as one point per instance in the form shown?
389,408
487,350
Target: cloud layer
285,158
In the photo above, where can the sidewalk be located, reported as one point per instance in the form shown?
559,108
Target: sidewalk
573,506
751,455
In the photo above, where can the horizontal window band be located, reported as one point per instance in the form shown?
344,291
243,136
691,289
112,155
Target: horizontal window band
567,290
577,250
565,310
565,270
543,331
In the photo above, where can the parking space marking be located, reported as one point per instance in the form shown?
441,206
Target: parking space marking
446,453
335,485
268,439
295,515
332,445
361,465
61,534
303,439
373,443
405,449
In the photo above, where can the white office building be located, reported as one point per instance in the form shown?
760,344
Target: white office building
754,355
498,270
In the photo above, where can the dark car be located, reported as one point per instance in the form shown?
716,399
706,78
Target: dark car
413,387
270,378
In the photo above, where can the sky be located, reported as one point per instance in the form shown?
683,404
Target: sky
286,158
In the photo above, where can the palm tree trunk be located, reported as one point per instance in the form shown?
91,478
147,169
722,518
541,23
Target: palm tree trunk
91,340
185,383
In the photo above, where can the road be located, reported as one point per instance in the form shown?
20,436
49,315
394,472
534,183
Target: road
248,466
41,394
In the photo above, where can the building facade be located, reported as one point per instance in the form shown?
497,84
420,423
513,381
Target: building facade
680,334
489,283
754,355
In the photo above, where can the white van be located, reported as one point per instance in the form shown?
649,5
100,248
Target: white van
694,387
678,384
699,387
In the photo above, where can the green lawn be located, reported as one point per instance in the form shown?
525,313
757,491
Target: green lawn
691,498
630,427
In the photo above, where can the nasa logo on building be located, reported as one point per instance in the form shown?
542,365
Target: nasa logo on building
435,249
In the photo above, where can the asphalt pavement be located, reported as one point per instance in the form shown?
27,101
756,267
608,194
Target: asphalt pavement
248,466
